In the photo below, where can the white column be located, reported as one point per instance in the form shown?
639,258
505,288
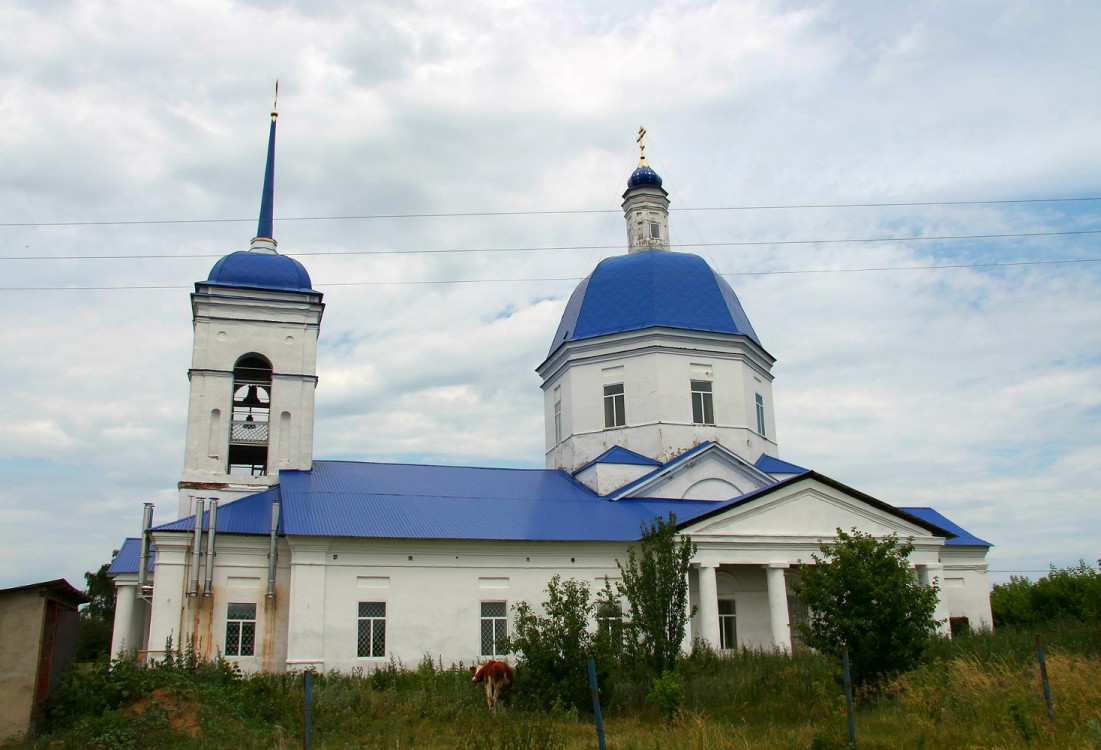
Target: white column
169,598
934,574
778,606
122,635
306,608
709,605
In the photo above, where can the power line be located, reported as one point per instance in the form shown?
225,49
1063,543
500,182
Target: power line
482,214
444,251
872,269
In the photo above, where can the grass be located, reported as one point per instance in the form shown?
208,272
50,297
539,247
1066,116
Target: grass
978,691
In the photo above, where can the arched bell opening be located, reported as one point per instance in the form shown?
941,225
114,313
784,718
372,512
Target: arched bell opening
249,427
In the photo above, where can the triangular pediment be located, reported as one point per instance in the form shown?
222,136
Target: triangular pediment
807,509
710,472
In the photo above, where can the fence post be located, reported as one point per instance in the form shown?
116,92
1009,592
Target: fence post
1043,678
596,705
849,699
306,738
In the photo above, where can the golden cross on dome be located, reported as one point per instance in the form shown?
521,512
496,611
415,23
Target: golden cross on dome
275,103
641,146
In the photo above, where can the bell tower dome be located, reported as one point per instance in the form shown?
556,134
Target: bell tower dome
253,371
654,353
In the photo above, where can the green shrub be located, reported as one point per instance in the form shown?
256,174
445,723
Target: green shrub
555,648
863,596
667,695
1072,593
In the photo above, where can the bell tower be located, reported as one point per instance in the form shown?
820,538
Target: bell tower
253,371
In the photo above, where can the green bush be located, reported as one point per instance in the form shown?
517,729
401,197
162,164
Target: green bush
1063,594
555,648
863,596
667,695
655,584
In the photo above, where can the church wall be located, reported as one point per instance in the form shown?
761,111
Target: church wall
965,586
658,404
240,576
433,602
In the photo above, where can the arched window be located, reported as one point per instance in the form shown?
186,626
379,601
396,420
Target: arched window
248,432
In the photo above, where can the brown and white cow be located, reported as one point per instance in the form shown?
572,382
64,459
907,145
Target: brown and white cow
497,675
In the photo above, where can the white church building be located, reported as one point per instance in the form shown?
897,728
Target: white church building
657,400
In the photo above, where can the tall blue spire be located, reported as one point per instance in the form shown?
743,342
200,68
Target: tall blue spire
264,229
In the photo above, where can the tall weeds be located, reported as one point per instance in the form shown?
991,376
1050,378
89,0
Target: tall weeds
976,691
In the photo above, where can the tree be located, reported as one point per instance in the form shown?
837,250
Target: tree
97,618
655,585
863,594
1072,593
557,645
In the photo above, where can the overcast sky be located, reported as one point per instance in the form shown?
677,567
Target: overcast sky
447,172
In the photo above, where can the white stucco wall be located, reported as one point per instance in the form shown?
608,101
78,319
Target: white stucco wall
656,368
228,324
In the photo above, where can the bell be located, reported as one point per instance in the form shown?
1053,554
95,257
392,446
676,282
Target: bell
252,398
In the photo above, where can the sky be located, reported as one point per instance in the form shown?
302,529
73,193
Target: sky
906,198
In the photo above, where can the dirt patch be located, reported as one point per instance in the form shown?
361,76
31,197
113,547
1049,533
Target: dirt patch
182,712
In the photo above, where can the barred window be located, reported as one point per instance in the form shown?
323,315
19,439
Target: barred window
703,405
372,629
240,629
494,628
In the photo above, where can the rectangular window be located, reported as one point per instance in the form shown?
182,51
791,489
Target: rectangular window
494,628
609,623
703,404
797,613
760,413
240,629
728,625
615,413
557,416
372,630
655,230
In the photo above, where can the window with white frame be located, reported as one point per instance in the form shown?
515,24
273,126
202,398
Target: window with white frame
728,624
494,628
557,416
371,638
240,629
703,404
655,230
609,623
615,413
760,401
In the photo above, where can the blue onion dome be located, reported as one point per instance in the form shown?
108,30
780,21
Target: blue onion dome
654,288
644,175
260,270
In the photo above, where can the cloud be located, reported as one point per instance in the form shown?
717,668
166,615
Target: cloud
973,390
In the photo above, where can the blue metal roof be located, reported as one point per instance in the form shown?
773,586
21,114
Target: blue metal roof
773,465
129,557
413,501
963,537
652,288
260,270
619,455
249,515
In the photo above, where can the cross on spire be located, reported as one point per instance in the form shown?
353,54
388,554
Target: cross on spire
641,146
